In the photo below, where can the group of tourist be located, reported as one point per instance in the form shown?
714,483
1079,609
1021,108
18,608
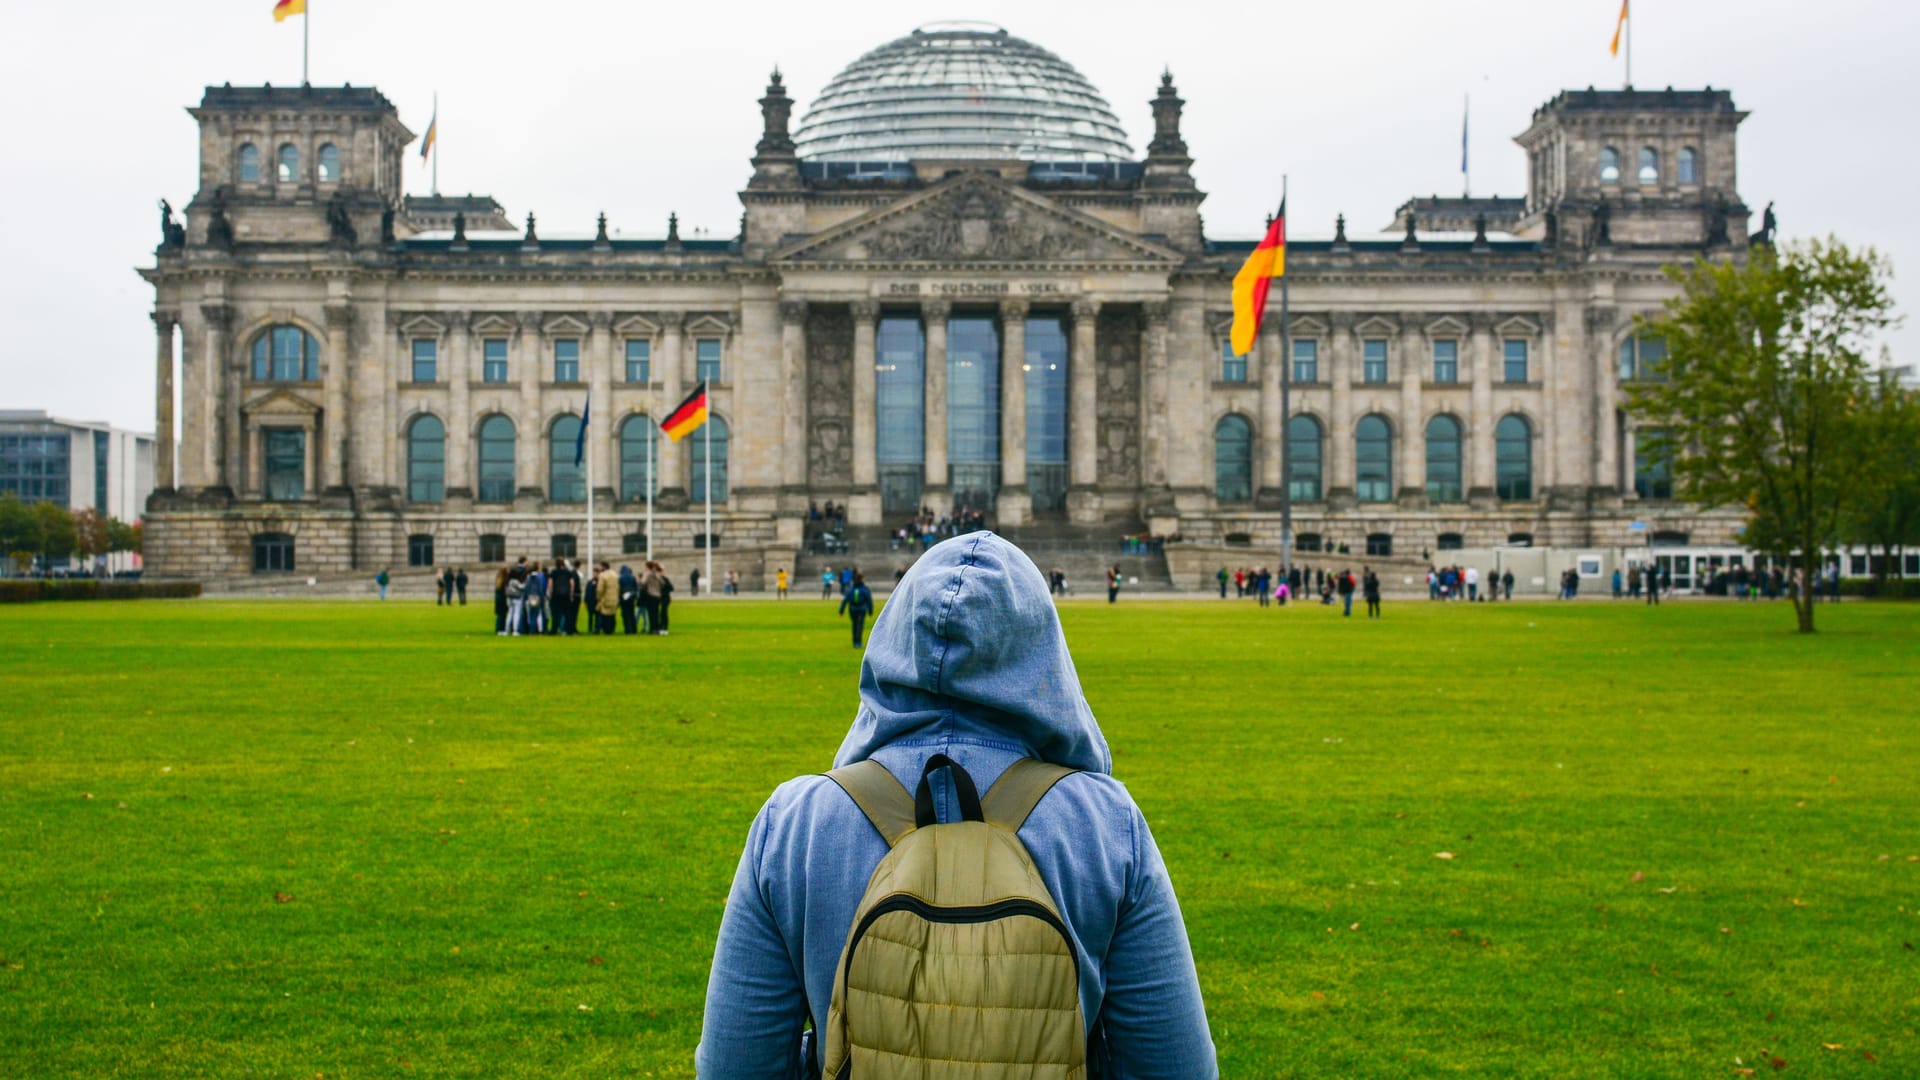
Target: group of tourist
832,516
1302,582
928,529
451,581
1463,583
533,598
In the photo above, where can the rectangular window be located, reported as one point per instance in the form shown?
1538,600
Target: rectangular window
1643,358
1515,362
973,410
899,421
1446,361
1652,465
493,360
706,360
100,447
286,464
273,553
35,467
1232,368
420,549
566,360
1373,360
493,548
1306,361
425,353
639,361
1047,393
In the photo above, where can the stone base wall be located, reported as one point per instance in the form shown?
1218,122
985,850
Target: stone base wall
1413,530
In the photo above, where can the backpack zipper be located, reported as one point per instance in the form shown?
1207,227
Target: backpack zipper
972,914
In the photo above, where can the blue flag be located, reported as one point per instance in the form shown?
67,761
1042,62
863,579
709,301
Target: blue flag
580,444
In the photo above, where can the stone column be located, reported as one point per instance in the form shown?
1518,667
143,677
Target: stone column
672,470
1604,374
935,313
1415,358
1483,355
220,442
600,393
163,323
529,419
793,393
1083,423
866,472
1153,403
1015,502
336,377
459,445
1274,357
1342,364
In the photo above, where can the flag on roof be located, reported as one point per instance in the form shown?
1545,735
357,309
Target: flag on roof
285,9
1619,26
433,128
1268,261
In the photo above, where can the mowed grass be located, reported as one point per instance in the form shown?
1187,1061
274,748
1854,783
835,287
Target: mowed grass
363,840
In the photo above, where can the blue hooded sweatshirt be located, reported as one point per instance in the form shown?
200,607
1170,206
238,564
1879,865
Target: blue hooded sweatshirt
966,659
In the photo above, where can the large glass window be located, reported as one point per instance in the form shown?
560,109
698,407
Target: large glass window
1649,166
1046,374
1373,460
706,360
289,163
1443,459
899,404
1515,357
639,458
973,409
286,463
1642,358
493,360
717,434
329,163
1373,360
286,354
639,361
493,548
426,353
101,448
1233,459
566,360
1446,361
496,460
273,553
1652,464
420,549
1609,165
1513,457
566,481
1687,165
1306,361
249,163
36,467
426,459
1303,459
1232,368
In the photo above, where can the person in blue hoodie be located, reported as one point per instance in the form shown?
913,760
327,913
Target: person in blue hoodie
968,660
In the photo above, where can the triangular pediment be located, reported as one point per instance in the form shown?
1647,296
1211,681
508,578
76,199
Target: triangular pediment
1376,325
1517,326
281,403
976,218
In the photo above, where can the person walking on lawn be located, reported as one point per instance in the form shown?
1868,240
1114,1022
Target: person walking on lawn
460,584
381,579
858,603
606,596
1346,593
1370,588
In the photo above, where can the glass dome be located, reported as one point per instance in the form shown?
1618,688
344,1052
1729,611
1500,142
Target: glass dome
960,90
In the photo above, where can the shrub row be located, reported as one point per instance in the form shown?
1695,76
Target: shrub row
24,592
1890,589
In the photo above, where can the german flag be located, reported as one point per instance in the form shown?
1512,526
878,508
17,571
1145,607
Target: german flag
1268,261
686,419
286,8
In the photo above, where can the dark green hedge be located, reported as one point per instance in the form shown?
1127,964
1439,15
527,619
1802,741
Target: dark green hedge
1890,589
23,592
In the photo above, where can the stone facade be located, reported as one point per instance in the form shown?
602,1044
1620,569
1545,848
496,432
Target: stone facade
327,334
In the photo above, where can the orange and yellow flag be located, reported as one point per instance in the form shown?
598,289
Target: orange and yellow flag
1250,285
284,9
1619,26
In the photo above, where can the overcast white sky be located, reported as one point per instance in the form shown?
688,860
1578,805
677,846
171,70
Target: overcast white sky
570,107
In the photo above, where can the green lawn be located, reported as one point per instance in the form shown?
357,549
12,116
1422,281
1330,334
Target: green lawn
364,840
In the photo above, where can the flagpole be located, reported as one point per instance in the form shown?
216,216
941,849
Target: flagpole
1629,48
1286,411
435,124
306,21
586,417
652,437
1466,172
707,488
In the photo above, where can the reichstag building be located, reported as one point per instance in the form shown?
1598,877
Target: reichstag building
954,283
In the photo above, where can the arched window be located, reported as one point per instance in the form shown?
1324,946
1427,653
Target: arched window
1687,168
1513,457
426,459
639,458
1443,459
1373,460
249,163
1649,166
329,163
1609,165
496,460
1233,459
1303,459
566,482
718,436
289,163
286,354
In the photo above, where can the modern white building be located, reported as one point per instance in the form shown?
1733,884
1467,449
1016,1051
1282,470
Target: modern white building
80,464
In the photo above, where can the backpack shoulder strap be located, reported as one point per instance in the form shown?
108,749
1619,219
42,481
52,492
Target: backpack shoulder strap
1012,797
879,796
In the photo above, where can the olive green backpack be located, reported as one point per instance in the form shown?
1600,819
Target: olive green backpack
958,966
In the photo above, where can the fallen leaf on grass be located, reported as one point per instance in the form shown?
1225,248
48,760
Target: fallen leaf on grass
1726,929
1831,1046
1778,1063
595,961
1355,926
86,794
1637,877
282,897
1443,854
1318,994
1669,890
1743,1072
586,1008
1869,1055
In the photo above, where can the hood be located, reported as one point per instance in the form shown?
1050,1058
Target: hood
969,645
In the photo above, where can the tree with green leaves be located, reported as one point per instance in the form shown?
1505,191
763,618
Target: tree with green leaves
19,530
1885,504
1766,368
